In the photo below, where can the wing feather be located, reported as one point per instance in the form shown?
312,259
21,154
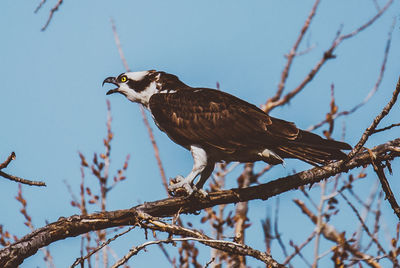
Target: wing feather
218,119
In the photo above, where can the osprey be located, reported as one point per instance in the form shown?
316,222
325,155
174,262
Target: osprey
216,126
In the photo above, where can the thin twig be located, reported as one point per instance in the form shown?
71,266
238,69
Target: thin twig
208,263
292,54
366,211
370,130
119,47
144,116
80,260
40,6
365,227
376,5
299,248
230,247
3,165
155,148
386,128
368,23
328,54
133,251
241,215
378,168
330,233
54,9
319,224
277,234
10,158
372,91
21,180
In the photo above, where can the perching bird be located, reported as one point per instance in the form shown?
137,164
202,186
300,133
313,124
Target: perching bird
216,126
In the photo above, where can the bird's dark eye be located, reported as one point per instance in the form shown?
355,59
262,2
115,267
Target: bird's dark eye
123,79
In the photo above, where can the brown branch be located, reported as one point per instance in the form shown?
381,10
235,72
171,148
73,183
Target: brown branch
80,260
21,180
386,128
370,93
277,235
14,254
144,116
119,47
40,6
379,170
190,234
328,54
7,161
240,216
299,248
292,54
330,233
15,178
155,148
368,23
227,246
364,226
370,130
52,11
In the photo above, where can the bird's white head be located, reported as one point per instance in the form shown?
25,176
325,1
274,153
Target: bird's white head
140,86
135,86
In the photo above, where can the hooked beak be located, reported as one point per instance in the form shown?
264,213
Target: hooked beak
111,80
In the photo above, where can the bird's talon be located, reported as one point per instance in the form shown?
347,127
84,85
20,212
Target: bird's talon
176,180
203,193
178,186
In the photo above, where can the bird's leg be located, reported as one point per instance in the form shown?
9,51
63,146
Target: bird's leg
199,164
204,176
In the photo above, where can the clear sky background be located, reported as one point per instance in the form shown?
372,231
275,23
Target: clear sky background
52,104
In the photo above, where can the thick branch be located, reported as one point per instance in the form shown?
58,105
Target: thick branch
14,254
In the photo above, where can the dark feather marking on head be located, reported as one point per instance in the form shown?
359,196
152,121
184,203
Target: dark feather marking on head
142,84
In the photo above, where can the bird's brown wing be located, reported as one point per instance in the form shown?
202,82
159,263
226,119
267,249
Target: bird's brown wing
215,118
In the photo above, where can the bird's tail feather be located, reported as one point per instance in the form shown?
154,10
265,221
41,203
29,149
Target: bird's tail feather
313,149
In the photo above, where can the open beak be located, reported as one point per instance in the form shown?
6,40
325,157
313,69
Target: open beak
111,80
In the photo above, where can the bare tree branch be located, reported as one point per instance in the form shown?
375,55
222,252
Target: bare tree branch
292,54
330,233
119,47
379,170
370,130
387,128
82,259
52,11
144,116
189,234
14,254
328,54
21,180
371,92
39,6
10,158
364,226
3,165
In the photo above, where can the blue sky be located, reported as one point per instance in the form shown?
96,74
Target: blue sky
52,103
